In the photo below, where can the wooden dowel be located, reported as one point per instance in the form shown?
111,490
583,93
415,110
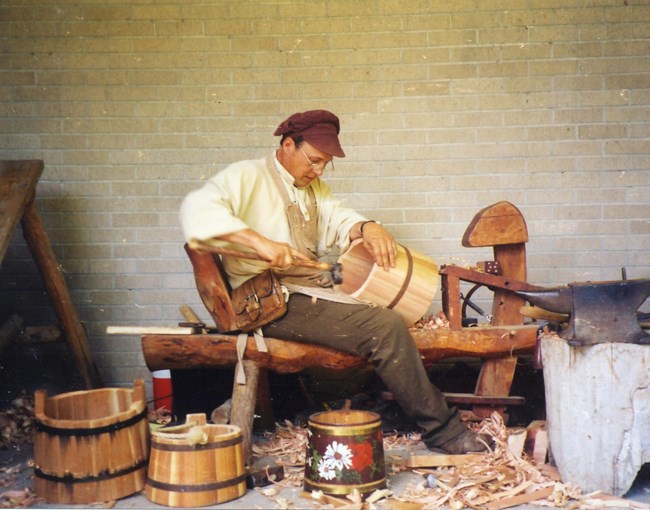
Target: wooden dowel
149,330
189,314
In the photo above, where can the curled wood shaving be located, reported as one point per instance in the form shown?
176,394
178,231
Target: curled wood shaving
438,321
159,417
17,499
406,441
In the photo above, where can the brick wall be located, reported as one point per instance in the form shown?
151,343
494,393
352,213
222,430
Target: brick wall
446,107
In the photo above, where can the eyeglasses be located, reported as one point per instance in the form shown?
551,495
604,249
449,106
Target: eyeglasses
316,166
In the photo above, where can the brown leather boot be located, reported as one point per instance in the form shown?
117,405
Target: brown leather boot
465,442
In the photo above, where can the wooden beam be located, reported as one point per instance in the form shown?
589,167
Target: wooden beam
509,283
17,184
41,249
418,460
219,350
490,400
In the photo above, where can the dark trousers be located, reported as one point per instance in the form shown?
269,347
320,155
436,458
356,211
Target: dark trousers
382,337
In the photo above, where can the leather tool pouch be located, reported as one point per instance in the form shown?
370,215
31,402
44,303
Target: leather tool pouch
258,301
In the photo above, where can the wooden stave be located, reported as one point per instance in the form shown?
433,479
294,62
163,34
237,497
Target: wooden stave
218,472
74,475
415,275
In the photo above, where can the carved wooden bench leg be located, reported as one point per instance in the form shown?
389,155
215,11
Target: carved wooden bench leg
263,402
495,379
243,407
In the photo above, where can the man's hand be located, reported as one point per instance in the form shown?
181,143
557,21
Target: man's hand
380,243
277,255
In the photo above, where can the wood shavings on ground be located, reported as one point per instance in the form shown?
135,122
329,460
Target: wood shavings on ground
500,479
288,444
17,422
17,499
497,480
408,441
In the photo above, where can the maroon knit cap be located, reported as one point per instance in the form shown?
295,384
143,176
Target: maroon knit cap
318,127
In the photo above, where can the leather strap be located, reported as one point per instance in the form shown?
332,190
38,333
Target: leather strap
240,375
260,343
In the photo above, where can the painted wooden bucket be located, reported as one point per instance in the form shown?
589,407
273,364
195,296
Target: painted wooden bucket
91,446
196,464
345,452
408,288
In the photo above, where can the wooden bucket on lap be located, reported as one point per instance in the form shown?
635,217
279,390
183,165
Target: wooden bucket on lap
196,464
91,446
408,288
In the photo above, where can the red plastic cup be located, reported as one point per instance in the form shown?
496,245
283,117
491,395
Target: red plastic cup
162,389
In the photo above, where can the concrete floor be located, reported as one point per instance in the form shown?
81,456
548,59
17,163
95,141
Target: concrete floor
254,499
19,477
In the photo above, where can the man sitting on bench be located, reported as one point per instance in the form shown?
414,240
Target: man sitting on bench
280,208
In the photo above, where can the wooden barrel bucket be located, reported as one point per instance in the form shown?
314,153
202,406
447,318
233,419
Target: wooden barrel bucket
91,446
196,464
408,288
345,452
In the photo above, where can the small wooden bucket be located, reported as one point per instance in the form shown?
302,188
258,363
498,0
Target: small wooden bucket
408,288
196,464
91,446
345,452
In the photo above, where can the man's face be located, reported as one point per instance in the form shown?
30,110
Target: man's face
305,163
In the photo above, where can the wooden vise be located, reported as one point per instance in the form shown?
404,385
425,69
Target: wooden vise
501,226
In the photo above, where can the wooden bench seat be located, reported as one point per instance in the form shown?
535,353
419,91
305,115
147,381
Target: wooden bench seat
497,345
285,357
220,351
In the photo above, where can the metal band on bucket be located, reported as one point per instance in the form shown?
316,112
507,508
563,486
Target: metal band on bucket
329,488
70,478
407,279
89,431
357,429
175,487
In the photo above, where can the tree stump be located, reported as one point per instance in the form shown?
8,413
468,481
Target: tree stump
598,412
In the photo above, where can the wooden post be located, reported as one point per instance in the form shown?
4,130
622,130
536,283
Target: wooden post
598,412
18,180
243,407
502,226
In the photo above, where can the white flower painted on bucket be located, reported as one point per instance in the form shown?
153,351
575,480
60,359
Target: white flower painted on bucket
325,469
338,455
